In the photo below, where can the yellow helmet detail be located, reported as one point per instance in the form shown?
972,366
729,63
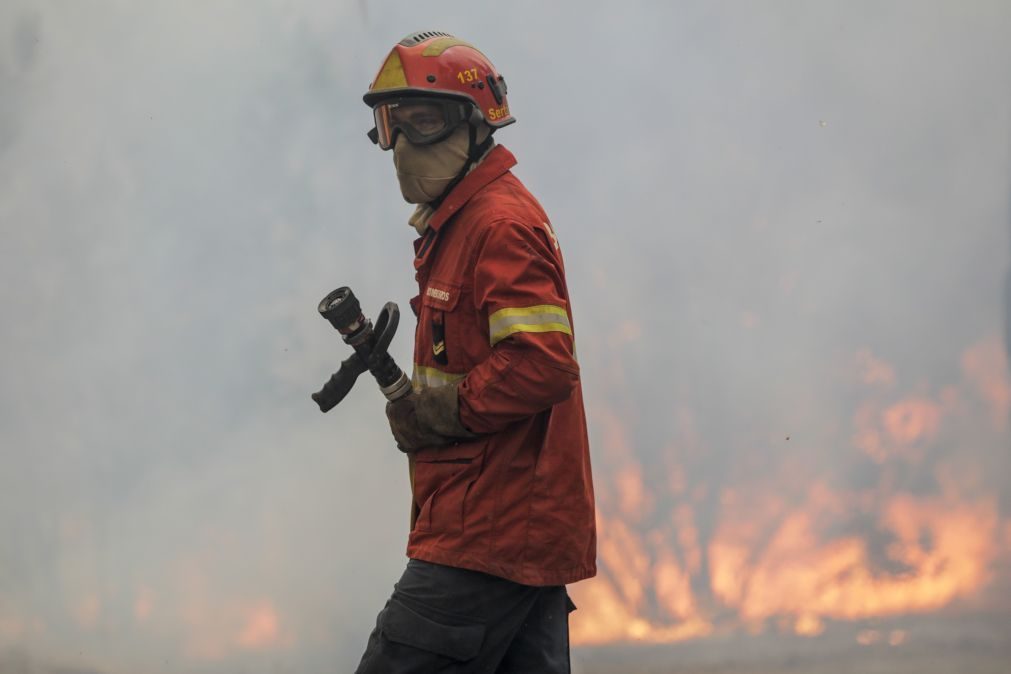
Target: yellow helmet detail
391,75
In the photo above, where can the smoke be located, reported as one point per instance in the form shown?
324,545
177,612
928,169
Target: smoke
785,231
1007,307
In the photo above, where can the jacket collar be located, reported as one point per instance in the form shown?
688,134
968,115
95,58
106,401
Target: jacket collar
498,162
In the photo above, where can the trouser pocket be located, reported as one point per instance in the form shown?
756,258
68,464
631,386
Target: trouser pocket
411,643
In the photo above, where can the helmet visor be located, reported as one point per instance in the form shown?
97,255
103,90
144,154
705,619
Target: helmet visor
422,120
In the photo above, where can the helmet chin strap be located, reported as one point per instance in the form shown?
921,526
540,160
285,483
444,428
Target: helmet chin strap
475,151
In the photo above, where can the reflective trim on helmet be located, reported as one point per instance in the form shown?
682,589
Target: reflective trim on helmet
391,75
540,318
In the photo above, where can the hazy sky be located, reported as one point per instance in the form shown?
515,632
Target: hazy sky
755,200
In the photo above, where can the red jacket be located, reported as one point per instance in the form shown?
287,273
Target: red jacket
494,320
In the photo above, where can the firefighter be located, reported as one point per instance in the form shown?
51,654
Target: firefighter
503,510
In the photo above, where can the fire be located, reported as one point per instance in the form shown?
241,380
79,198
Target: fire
912,420
87,610
261,627
809,625
874,371
143,604
801,574
235,626
218,624
12,629
798,548
868,637
900,430
986,366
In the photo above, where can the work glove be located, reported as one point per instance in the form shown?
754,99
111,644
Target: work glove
429,418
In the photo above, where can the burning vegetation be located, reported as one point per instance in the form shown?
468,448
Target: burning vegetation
899,517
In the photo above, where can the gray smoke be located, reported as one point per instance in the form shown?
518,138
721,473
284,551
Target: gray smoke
746,196
1007,306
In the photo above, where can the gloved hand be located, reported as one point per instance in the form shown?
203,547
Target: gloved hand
429,418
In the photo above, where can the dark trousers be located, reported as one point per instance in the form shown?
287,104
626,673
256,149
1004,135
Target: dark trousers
449,620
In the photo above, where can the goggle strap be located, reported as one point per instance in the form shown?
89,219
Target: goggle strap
474,152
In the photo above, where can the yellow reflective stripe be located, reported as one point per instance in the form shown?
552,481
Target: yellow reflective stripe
529,311
529,327
430,377
540,318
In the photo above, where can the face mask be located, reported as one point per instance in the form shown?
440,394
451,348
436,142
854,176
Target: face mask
424,171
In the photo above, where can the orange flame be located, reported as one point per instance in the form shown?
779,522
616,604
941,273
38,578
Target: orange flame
799,560
143,604
217,625
261,627
799,574
985,366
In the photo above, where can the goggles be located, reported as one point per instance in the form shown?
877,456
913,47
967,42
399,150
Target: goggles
424,120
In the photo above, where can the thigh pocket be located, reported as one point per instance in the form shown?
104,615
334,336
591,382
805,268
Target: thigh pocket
442,478
403,625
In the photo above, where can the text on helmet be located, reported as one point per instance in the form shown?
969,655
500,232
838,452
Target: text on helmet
467,76
498,113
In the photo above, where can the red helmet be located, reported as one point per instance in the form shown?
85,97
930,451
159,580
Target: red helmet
443,70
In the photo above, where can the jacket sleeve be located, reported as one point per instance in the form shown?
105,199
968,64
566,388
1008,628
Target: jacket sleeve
519,288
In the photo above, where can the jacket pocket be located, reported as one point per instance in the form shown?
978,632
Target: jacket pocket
403,625
440,299
441,295
442,479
